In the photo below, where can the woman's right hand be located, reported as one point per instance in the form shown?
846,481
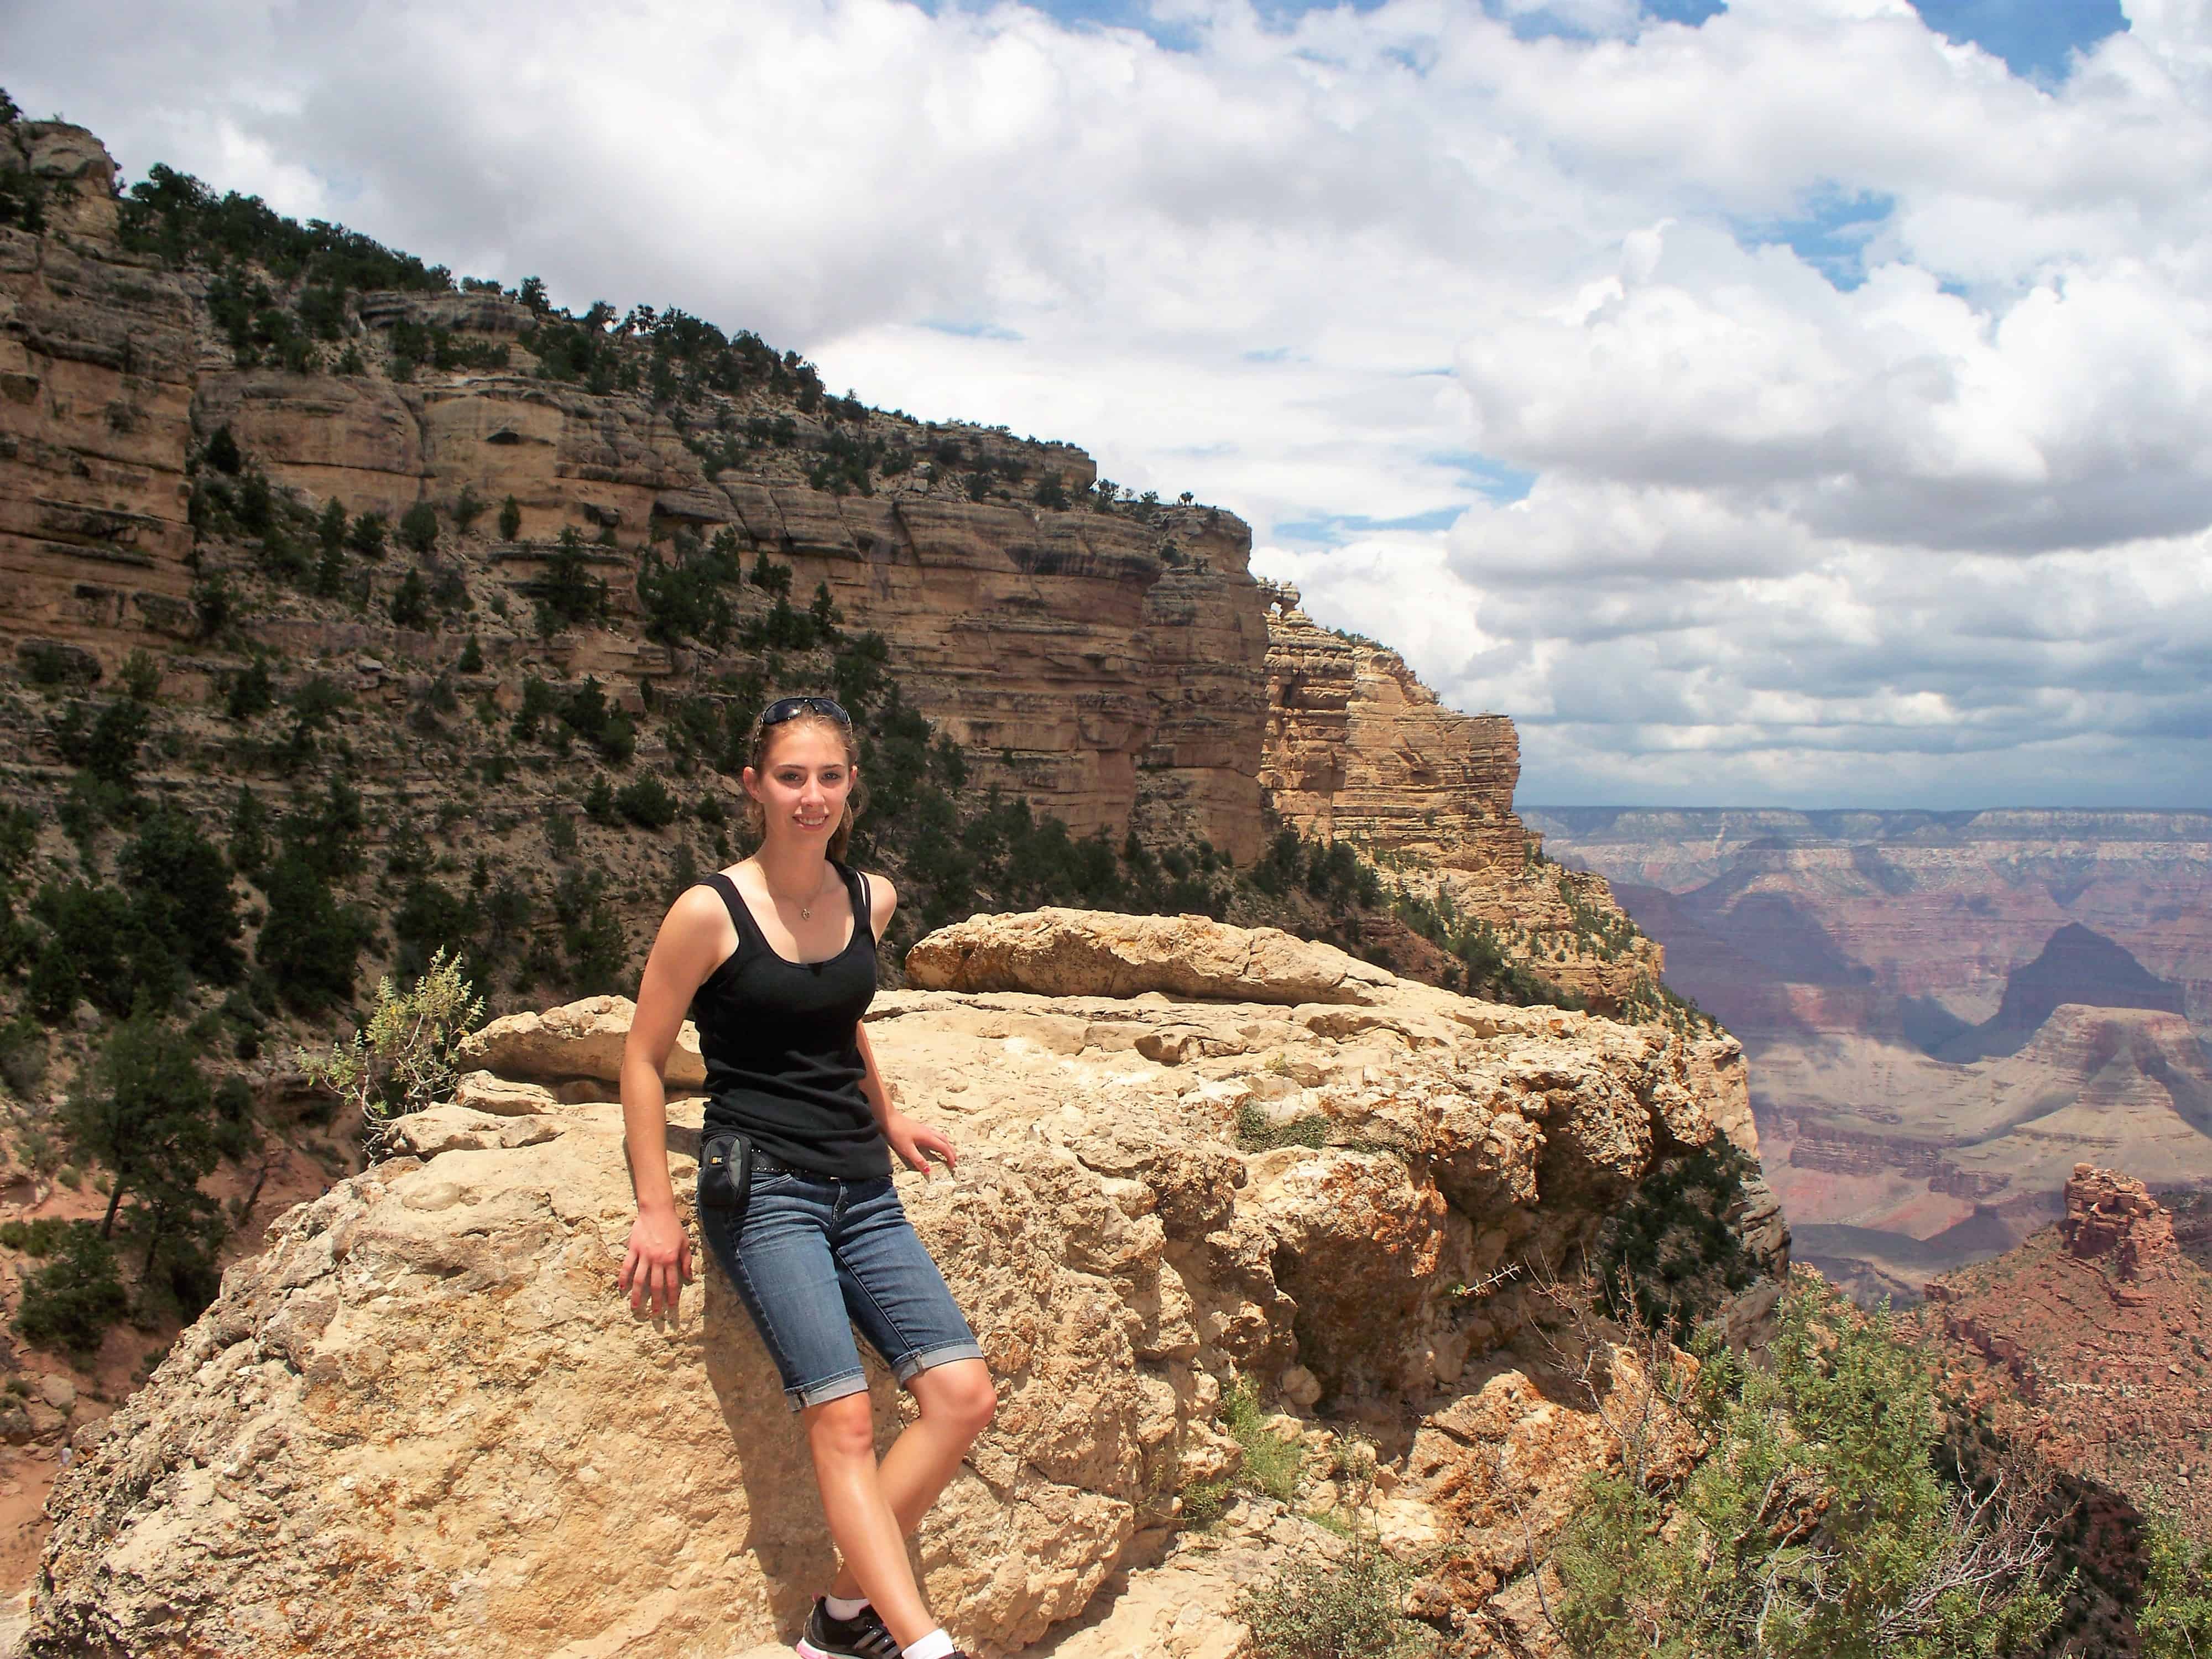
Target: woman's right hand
659,1264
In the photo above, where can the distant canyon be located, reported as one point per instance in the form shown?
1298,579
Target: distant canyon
1945,1011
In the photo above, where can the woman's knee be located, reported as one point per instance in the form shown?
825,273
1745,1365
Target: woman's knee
959,1396
844,1427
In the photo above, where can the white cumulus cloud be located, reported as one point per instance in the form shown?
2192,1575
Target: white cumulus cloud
1796,406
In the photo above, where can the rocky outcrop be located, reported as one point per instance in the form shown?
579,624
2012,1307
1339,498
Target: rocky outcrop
421,1421
2114,1216
1357,749
2087,1342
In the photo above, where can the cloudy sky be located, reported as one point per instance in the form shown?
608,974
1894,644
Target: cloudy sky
1797,401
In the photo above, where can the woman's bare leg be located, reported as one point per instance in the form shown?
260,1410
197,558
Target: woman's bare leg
956,1401
840,1434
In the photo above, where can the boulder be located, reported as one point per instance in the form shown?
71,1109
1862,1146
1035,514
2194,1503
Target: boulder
1057,952
579,1040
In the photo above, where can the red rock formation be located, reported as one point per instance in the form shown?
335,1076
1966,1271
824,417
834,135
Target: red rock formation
2114,1215
2089,1342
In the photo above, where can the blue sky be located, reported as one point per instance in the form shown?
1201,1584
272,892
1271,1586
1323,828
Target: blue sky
2033,37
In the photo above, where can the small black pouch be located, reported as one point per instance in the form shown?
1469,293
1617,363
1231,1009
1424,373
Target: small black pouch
725,1174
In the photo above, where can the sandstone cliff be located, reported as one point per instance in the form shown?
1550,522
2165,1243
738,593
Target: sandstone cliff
1357,747
422,1422
1107,665
1114,666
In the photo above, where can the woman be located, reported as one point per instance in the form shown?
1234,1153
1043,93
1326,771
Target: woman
776,959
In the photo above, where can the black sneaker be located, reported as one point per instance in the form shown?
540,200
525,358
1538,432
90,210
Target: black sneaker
864,1636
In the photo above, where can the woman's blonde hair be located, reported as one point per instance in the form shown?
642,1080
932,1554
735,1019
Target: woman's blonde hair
755,818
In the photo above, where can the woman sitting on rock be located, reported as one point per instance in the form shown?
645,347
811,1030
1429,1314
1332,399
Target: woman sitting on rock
776,959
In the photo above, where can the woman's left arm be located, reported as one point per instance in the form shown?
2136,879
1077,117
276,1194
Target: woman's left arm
916,1143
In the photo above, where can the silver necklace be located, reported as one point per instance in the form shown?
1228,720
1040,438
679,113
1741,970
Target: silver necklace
806,910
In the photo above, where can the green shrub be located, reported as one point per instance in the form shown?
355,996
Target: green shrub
2174,1620
471,657
180,894
310,943
366,538
1271,1463
1257,1133
566,592
419,528
40,1236
96,950
510,518
1348,1608
1817,1523
107,748
250,691
142,677
23,1053
410,606
646,803
69,1303
406,1056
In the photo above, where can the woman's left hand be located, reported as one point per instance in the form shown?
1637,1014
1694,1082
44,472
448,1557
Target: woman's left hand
917,1143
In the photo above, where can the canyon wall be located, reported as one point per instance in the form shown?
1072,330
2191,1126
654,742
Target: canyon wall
1946,1010
1357,747
1108,665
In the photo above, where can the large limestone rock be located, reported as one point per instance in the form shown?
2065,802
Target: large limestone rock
421,1422
1056,952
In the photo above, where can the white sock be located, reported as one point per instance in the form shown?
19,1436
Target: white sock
841,1608
935,1645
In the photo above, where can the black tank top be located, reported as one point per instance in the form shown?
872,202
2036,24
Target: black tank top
781,1043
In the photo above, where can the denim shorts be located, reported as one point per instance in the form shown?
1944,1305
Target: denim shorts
815,1256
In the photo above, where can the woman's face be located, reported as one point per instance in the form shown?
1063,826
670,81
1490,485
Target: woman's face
804,783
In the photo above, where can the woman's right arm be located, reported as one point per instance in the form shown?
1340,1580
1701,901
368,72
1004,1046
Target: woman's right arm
659,1262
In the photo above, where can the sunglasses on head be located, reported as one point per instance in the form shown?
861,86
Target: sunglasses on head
785,708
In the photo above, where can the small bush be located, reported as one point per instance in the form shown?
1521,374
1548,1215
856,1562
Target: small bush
419,528
23,1053
405,1057
1271,1462
510,518
69,1303
366,536
411,603
41,1235
1350,1608
250,692
646,803
1257,1133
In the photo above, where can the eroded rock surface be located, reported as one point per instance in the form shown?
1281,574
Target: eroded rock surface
1358,748
421,1422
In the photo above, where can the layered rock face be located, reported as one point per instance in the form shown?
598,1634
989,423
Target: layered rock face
422,1422
1106,665
1358,748
98,356
2087,1342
